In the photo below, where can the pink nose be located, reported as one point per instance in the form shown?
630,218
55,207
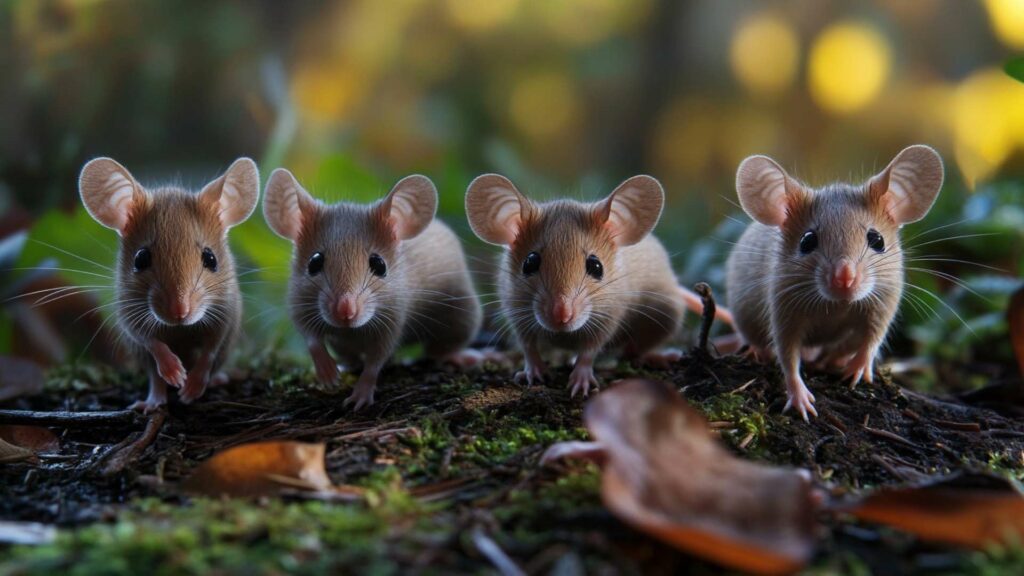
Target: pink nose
346,308
844,276
180,309
562,312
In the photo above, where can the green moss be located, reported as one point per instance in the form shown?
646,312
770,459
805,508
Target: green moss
749,418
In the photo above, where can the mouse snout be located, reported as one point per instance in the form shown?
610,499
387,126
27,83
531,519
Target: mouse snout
179,309
845,281
347,311
562,312
176,308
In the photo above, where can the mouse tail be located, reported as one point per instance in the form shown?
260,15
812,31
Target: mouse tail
694,303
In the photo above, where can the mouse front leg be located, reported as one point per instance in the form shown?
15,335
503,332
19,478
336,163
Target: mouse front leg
799,397
862,365
582,376
198,377
362,395
168,365
534,369
326,366
157,394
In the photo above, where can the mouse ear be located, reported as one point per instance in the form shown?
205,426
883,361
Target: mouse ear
410,206
496,209
908,186
235,194
632,210
767,194
110,193
284,203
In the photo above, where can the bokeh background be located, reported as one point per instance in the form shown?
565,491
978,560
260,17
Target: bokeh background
566,97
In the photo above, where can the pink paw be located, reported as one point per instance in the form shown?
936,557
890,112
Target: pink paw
531,373
326,369
581,379
800,399
362,396
861,367
195,386
148,405
171,369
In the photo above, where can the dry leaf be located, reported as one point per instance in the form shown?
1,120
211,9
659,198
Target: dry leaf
35,438
261,469
970,510
19,377
1015,318
666,475
10,453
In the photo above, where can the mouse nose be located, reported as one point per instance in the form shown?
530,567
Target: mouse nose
844,276
180,309
562,312
345,308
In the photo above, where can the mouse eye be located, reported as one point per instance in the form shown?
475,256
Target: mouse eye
209,260
808,242
316,264
875,241
142,260
531,264
378,266
594,267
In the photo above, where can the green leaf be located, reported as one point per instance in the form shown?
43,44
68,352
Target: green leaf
339,178
1015,68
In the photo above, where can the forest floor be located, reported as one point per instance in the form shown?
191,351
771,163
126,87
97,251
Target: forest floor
449,466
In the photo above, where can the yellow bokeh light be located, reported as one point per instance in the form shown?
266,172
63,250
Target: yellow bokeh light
764,55
480,15
544,105
1007,18
328,92
988,122
849,65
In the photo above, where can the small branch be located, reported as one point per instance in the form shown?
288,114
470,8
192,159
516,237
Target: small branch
891,436
68,419
707,316
490,549
128,452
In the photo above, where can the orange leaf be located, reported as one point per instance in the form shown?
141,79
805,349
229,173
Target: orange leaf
261,469
666,475
1015,318
35,438
969,510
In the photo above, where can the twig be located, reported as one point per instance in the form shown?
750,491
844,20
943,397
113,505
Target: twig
891,436
490,549
962,426
128,452
707,316
69,419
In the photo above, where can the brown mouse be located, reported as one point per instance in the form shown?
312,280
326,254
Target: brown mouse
178,302
367,278
823,268
581,277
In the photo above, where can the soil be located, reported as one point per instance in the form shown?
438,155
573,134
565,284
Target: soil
469,442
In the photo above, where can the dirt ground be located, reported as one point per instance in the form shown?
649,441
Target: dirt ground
452,458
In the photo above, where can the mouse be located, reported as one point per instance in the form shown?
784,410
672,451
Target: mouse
820,270
582,277
178,304
367,278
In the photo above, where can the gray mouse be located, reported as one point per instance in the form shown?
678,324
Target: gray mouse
823,268
178,302
367,278
580,276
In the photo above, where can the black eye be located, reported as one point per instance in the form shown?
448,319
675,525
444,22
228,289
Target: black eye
142,260
209,260
594,267
808,242
378,266
316,264
531,264
875,241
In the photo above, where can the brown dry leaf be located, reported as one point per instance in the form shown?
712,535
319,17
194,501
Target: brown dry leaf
1015,318
666,475
10,453
972,510
261,469
35,438
19,377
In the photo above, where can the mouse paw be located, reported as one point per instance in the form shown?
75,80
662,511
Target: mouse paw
581,379
326,369
195,386
172,370
799,398
157,397
662,359
860,367
531,374
362,396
